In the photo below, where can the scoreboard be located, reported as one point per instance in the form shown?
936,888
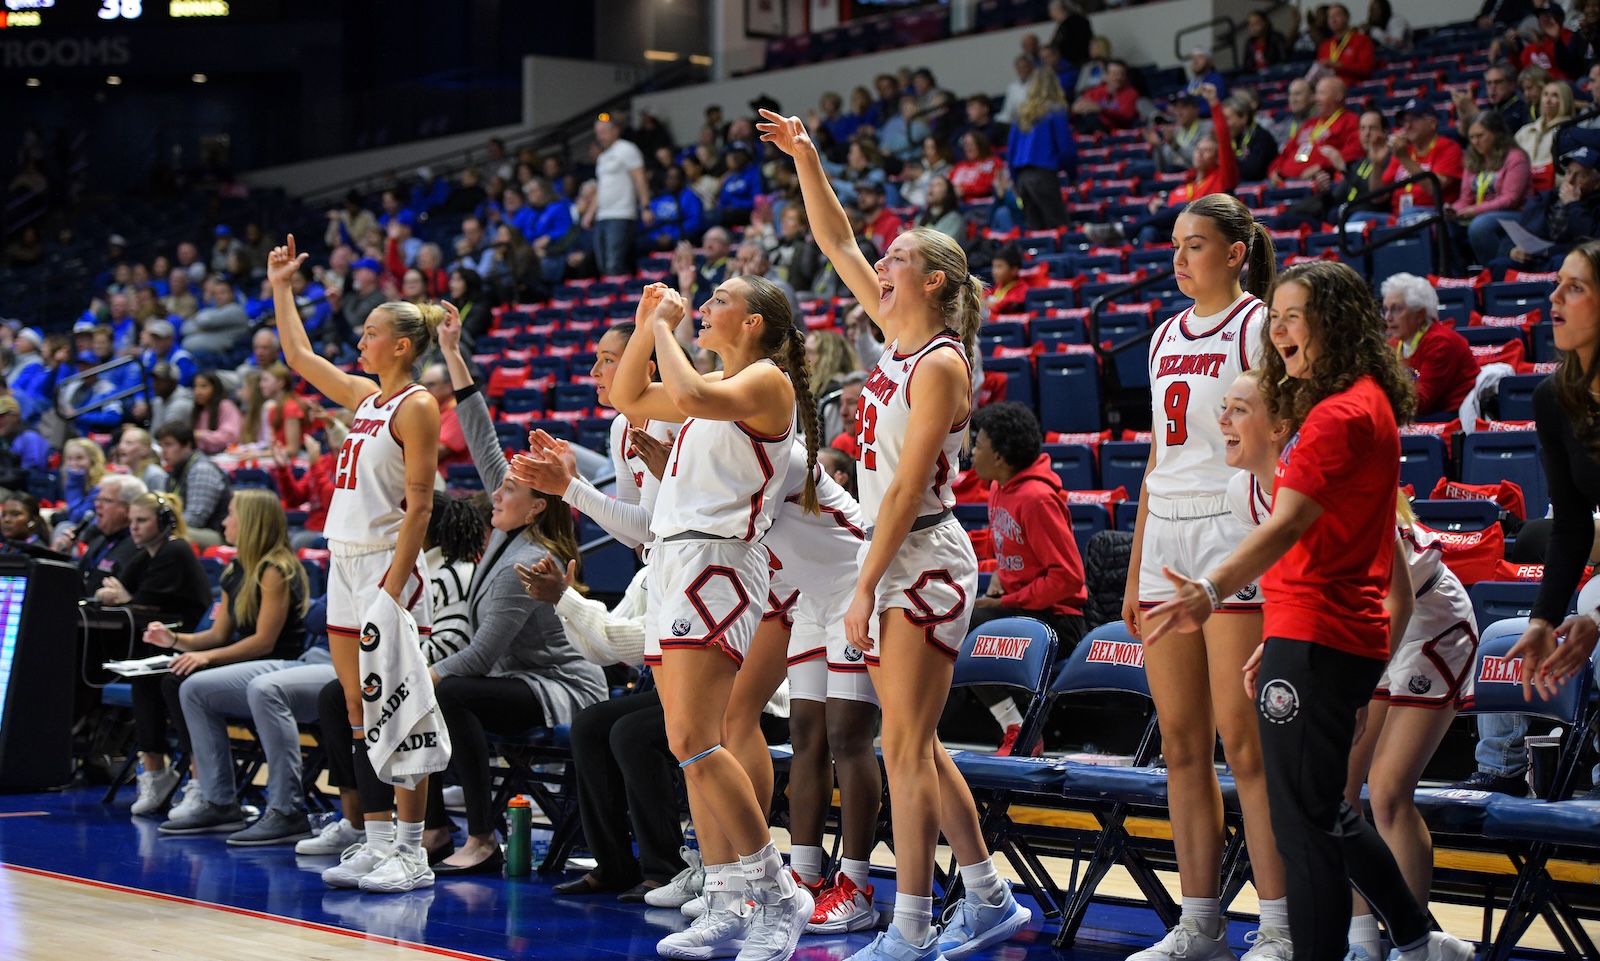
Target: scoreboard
86,14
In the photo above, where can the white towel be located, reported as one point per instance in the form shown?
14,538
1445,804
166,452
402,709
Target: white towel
406,736
1471,406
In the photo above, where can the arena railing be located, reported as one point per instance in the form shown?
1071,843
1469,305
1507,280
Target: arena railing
73,413
1111,357
1446,251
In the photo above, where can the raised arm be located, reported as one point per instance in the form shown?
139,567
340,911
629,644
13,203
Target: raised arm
829,225
632,393
346,390
483,443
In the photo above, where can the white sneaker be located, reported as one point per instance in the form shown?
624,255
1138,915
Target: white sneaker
405,869
714,934
1186,942
843,908
155,788
455,798
1443,947
334,838
1268,944
777,921
684,887
694,907
187,801
355,863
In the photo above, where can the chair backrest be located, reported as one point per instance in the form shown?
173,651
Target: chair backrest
1014,652
1488,457
1107,659
1457,515
1422,458
1122,464
1497,680
1502,600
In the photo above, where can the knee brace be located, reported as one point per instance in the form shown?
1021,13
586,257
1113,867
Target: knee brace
703,754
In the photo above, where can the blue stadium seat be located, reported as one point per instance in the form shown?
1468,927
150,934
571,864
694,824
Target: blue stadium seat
1489,336
1087,521
1074,464
1458,298
521,400
1498,600
1019,377
595,433
1122,464
1508,299
1126,516
1544,343
1422,458
1456,516
1516,396
1059,330
1001,333
1069,392
316,578
548,367
1042,298
1412,255
463,477
575,397
973,517
254,478
1490,457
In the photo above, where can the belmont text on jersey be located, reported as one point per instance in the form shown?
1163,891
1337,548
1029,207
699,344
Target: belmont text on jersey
881,386
1183,365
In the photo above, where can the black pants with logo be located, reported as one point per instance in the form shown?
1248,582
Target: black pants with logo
1307,696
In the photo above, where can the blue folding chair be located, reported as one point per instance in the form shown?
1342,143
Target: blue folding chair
1122,464
1074,464
1069,392
1513,455
1422,458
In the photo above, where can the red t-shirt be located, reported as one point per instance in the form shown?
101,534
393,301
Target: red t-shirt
1329,589
452,442
1443,157
974,179
1353,55
1302,155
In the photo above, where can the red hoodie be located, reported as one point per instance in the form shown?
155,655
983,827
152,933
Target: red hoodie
315,489
1039,566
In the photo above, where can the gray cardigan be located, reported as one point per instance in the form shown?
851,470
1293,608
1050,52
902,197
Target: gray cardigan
514,635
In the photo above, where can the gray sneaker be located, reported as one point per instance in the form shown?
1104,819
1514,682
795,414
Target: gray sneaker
273,827
334,838
206,818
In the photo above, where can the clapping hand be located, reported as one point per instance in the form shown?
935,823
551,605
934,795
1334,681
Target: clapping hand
653,452
671,309
649,300
545,581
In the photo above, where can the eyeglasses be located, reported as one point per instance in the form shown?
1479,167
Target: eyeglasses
1390,310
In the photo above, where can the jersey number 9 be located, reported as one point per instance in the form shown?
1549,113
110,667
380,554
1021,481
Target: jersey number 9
1176,405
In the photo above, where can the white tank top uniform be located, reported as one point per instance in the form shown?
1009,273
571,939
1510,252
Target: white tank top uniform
1190,528
934,575
819,554
627,515
1431,667
709,573
364,517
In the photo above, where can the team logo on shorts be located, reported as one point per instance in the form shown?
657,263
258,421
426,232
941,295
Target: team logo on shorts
1419,684
1279,701
372,687
370,637
852,653
1247,592
680,627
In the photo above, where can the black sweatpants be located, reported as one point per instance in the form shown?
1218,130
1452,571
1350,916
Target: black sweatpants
348,764
471,707
155,705
626,777
1307,696
1039,190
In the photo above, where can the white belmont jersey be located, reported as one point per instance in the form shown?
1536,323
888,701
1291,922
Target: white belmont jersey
1193,360
1248,501
884,419
815,553
369,479
635,483
722,480
1424,555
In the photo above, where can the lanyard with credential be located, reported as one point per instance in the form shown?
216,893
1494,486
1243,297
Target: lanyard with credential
1304,153
1338,48
1482,182
1363,178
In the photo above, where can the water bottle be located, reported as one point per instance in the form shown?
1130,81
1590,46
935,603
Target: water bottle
519,842
689,840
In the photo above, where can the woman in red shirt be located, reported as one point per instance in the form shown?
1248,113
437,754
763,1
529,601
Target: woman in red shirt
973,177
1326,560
314,490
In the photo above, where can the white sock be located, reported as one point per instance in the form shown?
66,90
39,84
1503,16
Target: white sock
380,835
344,824
983,881
913,916
806,859
409,833
1275,915
1364,934
1207,911
857,871
1006,712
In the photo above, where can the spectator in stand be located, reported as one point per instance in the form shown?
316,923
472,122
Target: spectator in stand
973,177
1215,171
551,231
83,464
1495,188
1500,85
740,185
1538,138
1172,145
350,309
1332,126
159,343
1564,217
1203,70
1092,73
1039,572
1386,28
21,524
466,293
1042,146
472,247
265,350
170,400
203,486
1253,144
840,420
400,243
313,491
863,161
1073,30
218,329
901,135
164,574
674,215
1332,195
272,414
188,256
1111,106
830,358
106,547
136,453
1301,108
980,119
1575,57
1501,14
623,190
21,447
452,443
1347,52
1263,46
347,224
1017,89
1530,87
883,224
215,421
1540,48
514,211
1009,292
751,261
93,394
794,256
430,263
1435,354
943,210
223,246
1417,148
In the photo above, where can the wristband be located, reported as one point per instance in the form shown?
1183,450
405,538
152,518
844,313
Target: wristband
1593,616
1210,588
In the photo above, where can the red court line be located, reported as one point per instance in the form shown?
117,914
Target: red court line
296,922
25,814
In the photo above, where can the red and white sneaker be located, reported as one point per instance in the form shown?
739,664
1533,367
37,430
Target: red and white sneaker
842,907
1009,744
814,889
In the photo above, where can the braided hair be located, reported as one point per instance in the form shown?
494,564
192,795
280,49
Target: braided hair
785,343
457,528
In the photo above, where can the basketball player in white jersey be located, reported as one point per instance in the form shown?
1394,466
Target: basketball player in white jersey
382,499
918,573
1429,673
710,575
1184,523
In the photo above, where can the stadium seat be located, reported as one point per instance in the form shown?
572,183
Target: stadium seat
521,400
1051,331
1074,464
463,477
1087,521
1069,392
1019,377
1508,299
1456,516
1516,396
1498,600
1422,460
575,397
1126,515
1122,464
1491,457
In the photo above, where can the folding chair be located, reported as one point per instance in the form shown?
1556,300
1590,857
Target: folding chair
1532,827
529,759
